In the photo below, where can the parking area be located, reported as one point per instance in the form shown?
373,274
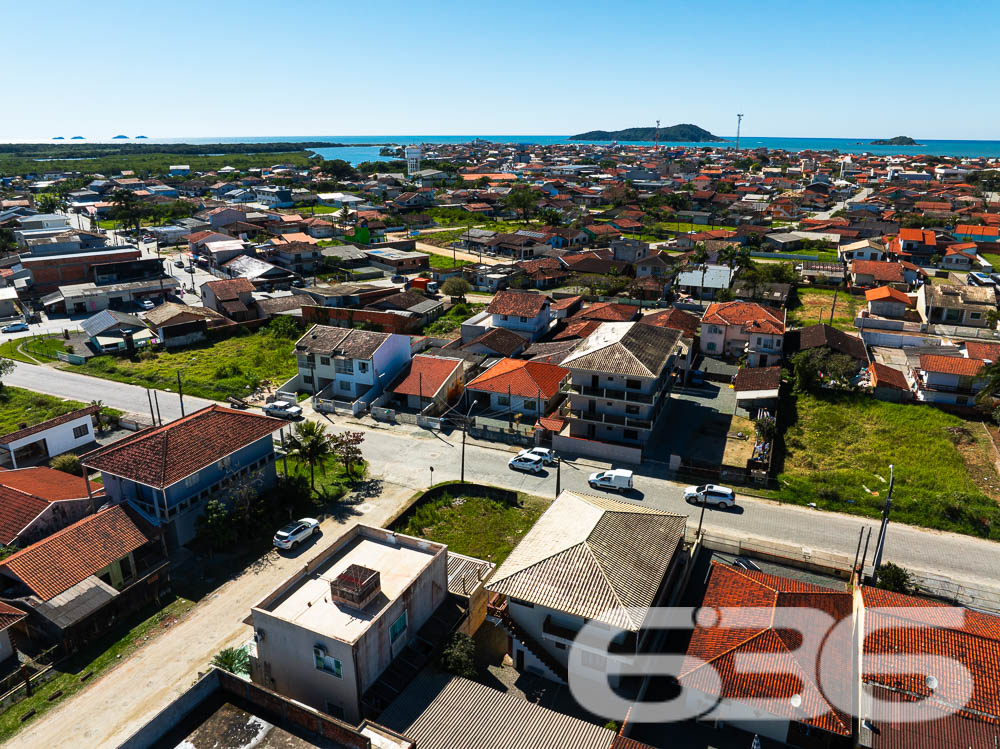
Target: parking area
697,422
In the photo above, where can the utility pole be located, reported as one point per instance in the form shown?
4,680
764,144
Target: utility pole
886,509
739,121
465,429
152,414
656,140
156,400
180,392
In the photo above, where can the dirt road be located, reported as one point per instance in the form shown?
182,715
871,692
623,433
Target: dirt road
113,707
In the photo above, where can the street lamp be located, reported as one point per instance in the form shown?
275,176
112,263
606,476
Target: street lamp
432,475
465,429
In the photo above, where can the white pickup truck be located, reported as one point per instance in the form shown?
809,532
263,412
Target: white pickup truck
283,410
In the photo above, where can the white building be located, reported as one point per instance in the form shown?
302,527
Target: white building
56,436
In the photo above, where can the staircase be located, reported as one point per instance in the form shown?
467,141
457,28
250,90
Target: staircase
557,671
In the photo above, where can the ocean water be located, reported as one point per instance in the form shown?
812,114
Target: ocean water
359,151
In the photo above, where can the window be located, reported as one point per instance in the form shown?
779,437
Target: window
503,317
323,662
634,410
961,401
343,366
523,319
633,384
80,431
344,385
503,400
191,480
710,346
362,366
225,463
530,405
325,361
398,628
631,434
972,316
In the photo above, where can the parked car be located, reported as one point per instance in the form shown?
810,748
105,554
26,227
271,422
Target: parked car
712,495
283,410
190,268
398,279
148,238
178,263
14,327
548,456
529,463
293,534
617,479
147,303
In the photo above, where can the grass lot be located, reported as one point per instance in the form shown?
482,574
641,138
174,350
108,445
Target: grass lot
993,259
473,524
683,226
452,319
43,348
309,210
332,481
19,406
446,262
233,366
836,448
95,660
810,306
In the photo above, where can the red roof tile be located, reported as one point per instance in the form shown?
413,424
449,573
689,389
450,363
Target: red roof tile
26,492
608,312
956,365
886,376
427,375
752,317
9,615
886,293
717,647
519,303
880,271
73,554
162,456
757,378
675,319
527,379
228,289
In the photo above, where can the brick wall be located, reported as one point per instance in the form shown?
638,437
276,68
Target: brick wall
51,273
385,322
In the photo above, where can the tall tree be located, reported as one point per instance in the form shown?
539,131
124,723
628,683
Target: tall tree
522,200
699,259
347,447
310,443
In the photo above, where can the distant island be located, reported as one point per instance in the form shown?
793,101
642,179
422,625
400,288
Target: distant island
676,133
899,140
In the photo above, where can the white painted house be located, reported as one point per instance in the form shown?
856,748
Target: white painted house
34,444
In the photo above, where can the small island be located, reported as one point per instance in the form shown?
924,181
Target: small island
899,140
677,133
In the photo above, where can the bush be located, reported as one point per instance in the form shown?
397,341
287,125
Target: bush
459,656
234,660
67,463
894,578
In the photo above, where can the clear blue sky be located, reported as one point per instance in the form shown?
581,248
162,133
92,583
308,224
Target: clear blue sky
213,67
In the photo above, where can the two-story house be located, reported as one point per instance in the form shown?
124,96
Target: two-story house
735,328
273,196
587,559
298,257
517,386
956,304
346,364
168,473
947,379
325,635
232,297
864,249
619,376
523,312
629,250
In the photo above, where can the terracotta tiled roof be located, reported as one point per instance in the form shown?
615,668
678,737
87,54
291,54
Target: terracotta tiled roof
565,303
73,554
26,492
983,350
608,312
526,379
9,615
519,303
713,650
577,329
886,376
426,376
499,340
162,456
888,293
675,319
757,378
752,317
956,365
228,289
881,272
821,334
552,423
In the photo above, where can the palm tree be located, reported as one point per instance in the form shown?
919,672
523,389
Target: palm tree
310,443
234,660
700,260
729,255
345,214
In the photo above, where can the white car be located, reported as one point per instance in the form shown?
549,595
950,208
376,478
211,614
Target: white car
295,533
617,479
711,495
530,463
548,456
147,304
283,410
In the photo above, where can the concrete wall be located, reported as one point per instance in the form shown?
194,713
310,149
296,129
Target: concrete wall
596,449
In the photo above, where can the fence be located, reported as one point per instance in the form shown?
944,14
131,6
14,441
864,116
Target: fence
12,687
502,431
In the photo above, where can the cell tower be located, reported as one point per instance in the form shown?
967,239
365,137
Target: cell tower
739,121
656,139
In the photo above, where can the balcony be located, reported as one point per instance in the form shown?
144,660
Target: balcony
553,630
629,396
603,418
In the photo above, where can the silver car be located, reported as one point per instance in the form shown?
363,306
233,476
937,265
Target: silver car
293,534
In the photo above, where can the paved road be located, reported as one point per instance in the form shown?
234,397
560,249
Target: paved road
861,195
129,398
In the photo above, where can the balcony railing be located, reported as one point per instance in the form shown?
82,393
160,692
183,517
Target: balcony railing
631,396
552,629
497,606
605,418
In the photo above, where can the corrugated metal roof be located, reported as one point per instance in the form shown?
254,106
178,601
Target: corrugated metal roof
455,713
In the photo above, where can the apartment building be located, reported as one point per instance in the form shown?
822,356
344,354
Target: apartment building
619,376
347,364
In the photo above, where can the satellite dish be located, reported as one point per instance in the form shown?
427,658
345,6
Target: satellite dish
931,682
796,700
